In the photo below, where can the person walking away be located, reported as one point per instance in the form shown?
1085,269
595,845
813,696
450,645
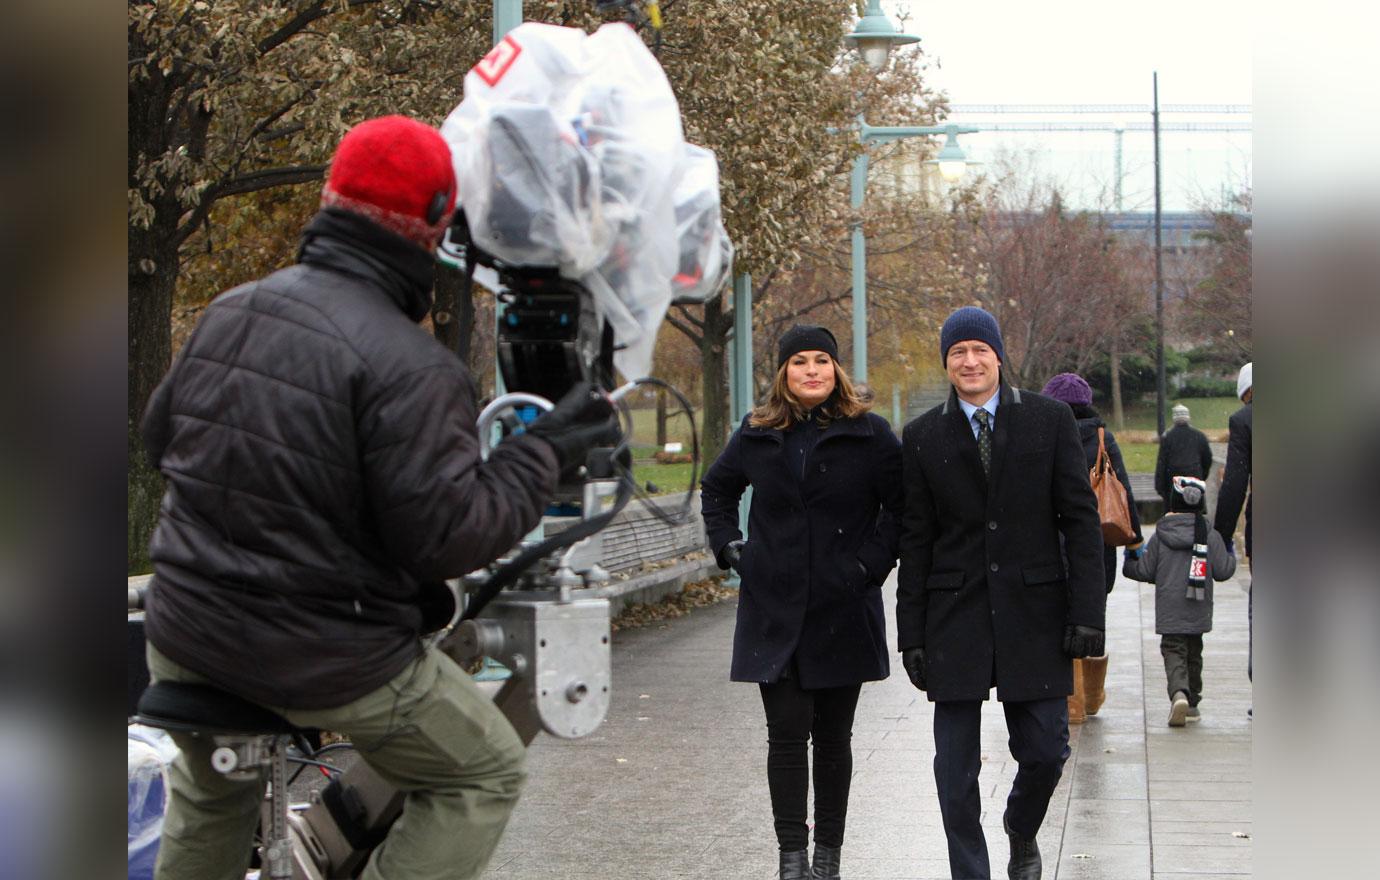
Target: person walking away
1235,491
323,480
1184,450
822,533
1090,674
1183,559
1001,584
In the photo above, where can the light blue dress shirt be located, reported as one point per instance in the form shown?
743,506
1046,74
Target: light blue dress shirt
990,406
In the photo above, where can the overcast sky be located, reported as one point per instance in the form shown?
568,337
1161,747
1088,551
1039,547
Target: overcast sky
1098,52
1084,51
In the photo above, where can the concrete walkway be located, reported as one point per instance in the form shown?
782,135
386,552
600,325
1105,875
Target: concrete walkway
674,783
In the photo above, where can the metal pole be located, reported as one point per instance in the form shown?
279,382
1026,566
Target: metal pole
1120,136
741,364
1159,274
742,345
507,15
857,190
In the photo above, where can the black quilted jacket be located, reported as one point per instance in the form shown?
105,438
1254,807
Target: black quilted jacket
323,476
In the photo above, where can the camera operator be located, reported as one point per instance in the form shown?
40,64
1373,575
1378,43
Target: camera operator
323,479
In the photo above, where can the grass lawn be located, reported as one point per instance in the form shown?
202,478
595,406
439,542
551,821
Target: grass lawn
1139,457
1206,413
668,478
644,426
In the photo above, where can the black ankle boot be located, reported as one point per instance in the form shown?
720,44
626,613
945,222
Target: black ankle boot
826,866
795,865
1025,856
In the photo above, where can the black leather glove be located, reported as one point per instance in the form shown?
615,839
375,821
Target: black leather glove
913,659
1083,641
732,552
582,419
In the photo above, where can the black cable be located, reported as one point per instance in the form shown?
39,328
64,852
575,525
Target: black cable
661,513
510,571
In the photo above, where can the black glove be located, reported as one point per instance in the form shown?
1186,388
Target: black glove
866,578
582,419
913,659
1083,641
732,552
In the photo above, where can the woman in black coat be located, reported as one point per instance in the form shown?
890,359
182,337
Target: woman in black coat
1071,388
822,537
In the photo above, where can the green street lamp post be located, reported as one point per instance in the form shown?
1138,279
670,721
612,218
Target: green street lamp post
874,36
507,15
951,162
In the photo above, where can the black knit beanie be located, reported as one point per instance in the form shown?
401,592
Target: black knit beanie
970,322
806,337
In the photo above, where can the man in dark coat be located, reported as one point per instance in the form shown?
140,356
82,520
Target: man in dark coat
1000,584
323,479
1184,452
1236,491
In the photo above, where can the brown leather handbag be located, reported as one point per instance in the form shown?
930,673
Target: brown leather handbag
1112,507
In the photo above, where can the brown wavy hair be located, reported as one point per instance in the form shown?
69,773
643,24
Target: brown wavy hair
782,409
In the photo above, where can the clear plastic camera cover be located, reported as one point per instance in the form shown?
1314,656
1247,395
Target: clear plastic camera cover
569,152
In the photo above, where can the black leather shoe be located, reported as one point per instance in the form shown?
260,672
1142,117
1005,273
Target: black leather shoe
1025,856
795,865
826,866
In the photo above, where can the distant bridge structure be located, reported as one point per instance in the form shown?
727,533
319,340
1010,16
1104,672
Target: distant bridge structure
970,114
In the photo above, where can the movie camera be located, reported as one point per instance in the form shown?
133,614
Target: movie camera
584,211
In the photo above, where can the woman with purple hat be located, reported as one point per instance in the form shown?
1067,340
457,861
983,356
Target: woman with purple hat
1090,675
822,537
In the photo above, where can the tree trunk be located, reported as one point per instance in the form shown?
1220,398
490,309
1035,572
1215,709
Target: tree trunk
153,262
1118,412
452,311
660,419
713,359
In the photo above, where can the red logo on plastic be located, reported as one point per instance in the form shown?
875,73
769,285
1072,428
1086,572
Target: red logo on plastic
501,57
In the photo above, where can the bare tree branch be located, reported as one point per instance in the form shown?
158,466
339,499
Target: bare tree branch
298,22
684,328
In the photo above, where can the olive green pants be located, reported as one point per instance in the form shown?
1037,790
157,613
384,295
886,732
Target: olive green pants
430,732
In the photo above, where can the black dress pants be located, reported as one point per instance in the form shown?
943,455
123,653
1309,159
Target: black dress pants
1039,741
794,717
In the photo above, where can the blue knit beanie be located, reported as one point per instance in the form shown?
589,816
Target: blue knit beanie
970,322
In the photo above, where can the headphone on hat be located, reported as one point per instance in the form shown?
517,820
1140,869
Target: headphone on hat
437,206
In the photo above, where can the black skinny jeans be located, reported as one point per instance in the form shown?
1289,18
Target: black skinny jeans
794,717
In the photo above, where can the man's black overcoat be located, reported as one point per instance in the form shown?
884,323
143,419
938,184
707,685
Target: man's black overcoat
1184,452
1236,478
803,594
986,583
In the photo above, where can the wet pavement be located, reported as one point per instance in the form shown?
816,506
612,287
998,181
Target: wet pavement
674,782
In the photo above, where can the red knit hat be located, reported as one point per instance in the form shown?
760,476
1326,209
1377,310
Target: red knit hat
397,172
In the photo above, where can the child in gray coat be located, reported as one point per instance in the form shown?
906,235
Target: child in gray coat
1183,559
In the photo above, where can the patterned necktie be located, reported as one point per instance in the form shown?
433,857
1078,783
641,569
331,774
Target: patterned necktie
984,439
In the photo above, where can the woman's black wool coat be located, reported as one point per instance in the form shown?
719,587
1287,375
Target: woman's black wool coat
803,592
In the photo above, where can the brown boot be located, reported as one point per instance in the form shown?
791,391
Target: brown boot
1094,683
1077,701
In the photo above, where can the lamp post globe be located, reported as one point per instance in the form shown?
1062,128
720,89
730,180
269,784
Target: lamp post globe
951,159
874,35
